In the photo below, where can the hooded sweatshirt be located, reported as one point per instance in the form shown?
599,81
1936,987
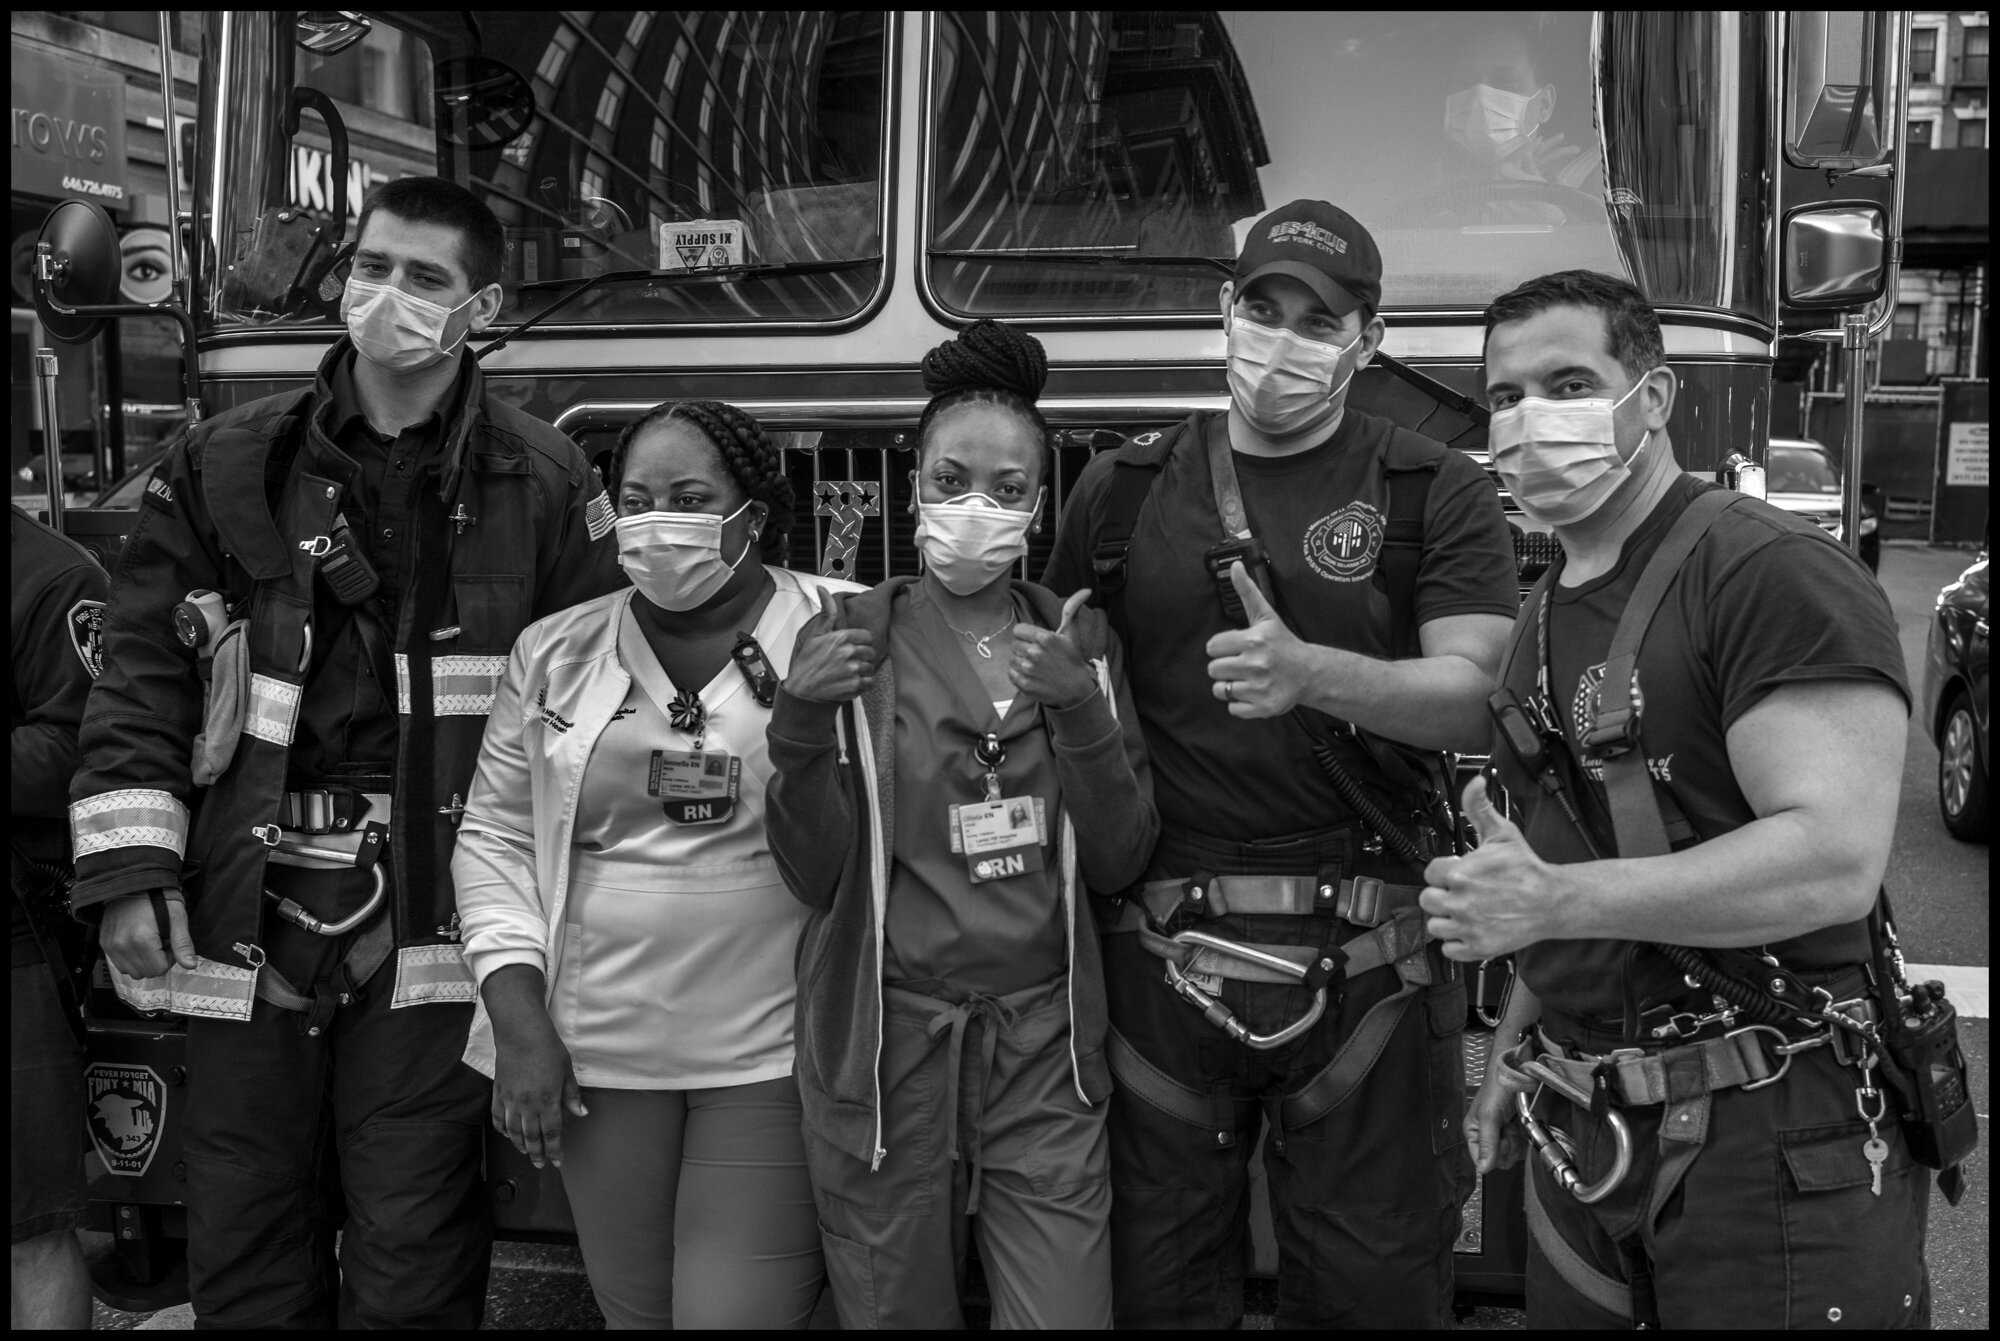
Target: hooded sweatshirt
832,814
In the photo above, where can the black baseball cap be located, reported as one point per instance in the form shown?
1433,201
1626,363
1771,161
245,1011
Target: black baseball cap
1320,245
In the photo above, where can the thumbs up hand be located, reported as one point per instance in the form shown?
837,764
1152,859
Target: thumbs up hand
1263,670
1049,666
1498,898
830,661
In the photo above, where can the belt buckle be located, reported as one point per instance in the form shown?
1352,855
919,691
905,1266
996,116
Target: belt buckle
1364,907
314,811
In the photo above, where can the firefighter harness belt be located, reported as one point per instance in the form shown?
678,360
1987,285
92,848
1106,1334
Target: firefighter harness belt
1396,938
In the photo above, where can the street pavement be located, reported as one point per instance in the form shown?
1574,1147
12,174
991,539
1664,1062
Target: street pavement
1940,890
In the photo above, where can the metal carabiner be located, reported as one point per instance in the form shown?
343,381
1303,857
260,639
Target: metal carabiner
305,921
1227,1021
1555,1149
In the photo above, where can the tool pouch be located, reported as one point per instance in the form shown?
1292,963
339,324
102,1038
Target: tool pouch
228,702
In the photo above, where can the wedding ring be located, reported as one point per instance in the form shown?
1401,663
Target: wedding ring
1229,691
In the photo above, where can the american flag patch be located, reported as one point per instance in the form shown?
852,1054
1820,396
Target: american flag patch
598,517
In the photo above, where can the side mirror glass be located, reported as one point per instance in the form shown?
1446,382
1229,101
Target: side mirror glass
328,32
1836,254
482,103
77,264
1838,70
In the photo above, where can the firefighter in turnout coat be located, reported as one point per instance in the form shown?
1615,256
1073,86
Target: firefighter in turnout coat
303,642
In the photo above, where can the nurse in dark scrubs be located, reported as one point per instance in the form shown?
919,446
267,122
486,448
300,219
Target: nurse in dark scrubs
952,775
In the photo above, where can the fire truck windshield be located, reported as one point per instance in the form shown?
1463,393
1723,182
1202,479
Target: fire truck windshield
713,166
1480,149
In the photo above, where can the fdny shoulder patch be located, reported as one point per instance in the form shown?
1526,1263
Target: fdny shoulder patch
598,516
86,635
1341,546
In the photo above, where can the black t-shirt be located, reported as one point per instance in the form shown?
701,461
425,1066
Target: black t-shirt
1320,516
1741,621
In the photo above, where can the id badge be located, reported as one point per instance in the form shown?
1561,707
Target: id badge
1000,838
695,786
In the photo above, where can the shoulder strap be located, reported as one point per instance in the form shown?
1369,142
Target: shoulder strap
1409,466
233,477
1525,623
1635,809
1135,466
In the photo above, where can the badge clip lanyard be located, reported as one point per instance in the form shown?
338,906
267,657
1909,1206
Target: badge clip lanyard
989,753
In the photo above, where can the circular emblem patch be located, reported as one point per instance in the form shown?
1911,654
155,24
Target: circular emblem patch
1342,546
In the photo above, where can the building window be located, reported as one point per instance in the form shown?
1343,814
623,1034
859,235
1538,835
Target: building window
1919,132
1923,55
1905,325
1972,133
1972,67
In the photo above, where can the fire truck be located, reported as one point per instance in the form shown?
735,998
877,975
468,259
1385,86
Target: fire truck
786,210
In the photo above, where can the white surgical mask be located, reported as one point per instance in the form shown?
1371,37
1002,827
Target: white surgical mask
397,330
1559,458
971,540
1488,122
1282,383
675,558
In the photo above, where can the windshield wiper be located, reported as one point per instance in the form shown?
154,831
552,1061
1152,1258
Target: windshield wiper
1115,260
720,272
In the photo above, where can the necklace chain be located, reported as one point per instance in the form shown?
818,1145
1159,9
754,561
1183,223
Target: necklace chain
978,642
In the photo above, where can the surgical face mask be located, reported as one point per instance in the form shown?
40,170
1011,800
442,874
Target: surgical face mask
971,540
1283,383
397,330
1488,122
675,558
1559,458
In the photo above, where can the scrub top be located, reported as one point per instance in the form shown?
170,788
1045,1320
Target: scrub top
676,966
947,935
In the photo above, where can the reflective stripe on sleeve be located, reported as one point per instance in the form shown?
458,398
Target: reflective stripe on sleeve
461,686
274,710
134,817
429,973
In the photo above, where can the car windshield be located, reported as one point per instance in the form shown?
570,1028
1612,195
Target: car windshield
1800,470
705,165
1074,156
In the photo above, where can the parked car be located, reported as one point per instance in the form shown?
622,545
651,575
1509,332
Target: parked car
1801,478
1956,702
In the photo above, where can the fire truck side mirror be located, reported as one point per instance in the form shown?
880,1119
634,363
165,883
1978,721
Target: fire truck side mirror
1841,68
77,264
1836,255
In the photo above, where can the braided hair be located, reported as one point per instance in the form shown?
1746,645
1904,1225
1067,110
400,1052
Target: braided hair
755,462
987,364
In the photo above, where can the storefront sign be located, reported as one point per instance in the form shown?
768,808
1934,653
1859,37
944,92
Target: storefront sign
311,183
69,129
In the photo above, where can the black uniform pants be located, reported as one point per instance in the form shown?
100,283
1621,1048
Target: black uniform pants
405,1119
1754,1210
1366,1201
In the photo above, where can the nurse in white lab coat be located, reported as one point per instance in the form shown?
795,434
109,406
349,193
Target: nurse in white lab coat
621,910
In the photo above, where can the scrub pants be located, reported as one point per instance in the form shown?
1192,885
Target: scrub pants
405,1118
1773,1224
985,1133
693,1207
1366,1201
